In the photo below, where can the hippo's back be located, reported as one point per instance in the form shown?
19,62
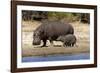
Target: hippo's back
70,38
55,28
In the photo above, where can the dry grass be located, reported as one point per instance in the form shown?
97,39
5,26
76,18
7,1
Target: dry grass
81,32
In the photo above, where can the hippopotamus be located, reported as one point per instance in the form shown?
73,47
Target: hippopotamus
68,40
51,30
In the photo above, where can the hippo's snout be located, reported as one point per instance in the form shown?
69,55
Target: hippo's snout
35,43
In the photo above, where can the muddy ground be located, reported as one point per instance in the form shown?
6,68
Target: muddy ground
82,45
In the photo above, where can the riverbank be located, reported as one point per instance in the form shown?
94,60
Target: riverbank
50,50
81,31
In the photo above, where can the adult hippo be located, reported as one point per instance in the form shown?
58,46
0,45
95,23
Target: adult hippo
51,30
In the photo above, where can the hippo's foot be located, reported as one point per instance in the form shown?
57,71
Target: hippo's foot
44,46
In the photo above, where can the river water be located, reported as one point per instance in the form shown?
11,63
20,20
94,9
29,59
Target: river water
81,56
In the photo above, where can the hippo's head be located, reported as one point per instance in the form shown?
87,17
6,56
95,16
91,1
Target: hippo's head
60,38
36,38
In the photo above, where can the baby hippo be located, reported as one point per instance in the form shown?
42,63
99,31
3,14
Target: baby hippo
68,40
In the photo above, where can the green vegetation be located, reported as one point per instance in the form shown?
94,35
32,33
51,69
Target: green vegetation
61,16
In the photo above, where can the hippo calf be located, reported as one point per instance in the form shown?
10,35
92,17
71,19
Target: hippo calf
51,30
68,40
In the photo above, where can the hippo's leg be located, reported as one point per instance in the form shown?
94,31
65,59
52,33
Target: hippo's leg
51,42
64,44
67,44
44,43
72,44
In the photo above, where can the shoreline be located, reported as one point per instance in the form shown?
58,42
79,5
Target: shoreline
53,51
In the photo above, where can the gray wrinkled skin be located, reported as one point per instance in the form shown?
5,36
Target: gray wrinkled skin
68,40
51,30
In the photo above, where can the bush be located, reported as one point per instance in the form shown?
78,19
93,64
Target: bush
69,17
60,16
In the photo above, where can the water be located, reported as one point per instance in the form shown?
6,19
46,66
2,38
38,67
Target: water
81,56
